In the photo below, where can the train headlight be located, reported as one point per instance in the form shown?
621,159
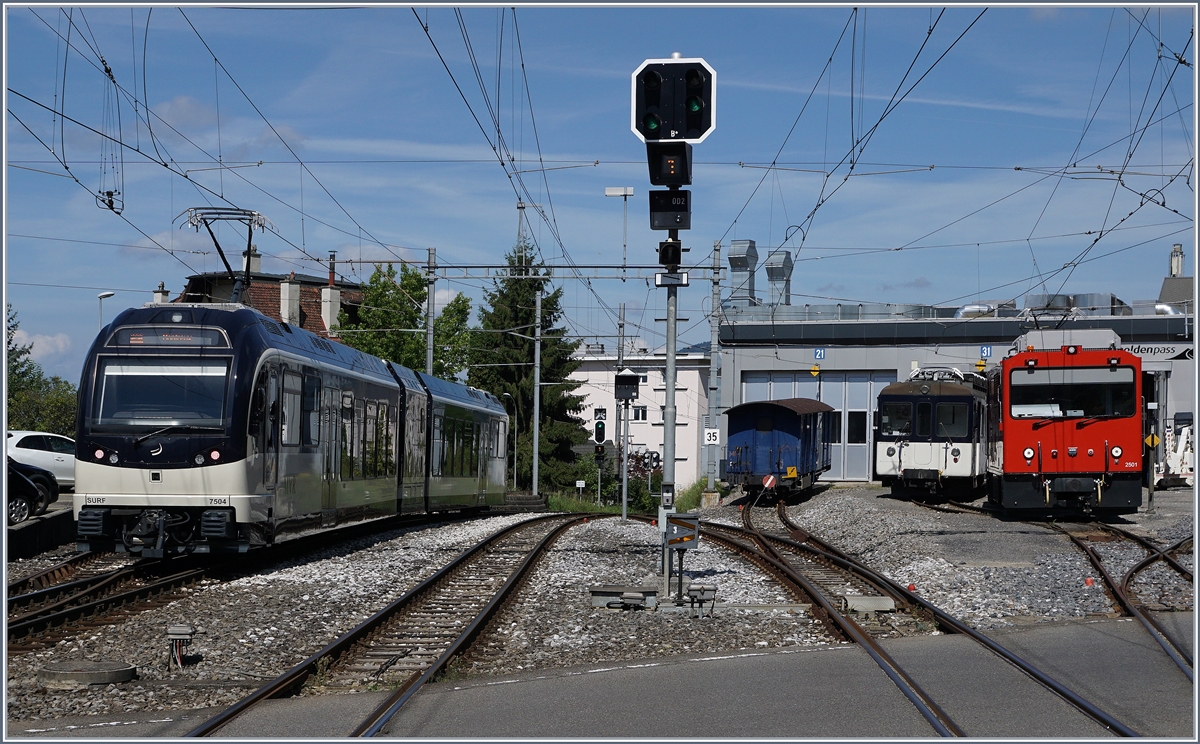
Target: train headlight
198,459
1116,452
99,454
1028,453
956,452
891,451
214,455
113,458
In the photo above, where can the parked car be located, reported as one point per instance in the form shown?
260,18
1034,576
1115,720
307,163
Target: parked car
22,495
52,452
43,482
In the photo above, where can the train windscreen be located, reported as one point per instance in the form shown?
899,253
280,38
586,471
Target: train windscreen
952,420
138,392
895,418
1073,392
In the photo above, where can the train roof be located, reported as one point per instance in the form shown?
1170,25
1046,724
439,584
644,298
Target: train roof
932,388
795,405
235,317
406,377
462,394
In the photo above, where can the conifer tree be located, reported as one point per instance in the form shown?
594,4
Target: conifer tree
35,402
502,362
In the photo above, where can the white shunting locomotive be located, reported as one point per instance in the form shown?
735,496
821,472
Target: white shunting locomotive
211,427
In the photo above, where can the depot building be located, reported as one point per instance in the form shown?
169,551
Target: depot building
844,354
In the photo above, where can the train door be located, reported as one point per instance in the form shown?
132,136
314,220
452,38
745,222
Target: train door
764,435
271,444
331,411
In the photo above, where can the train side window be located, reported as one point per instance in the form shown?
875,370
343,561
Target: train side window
291,408
370,467
389,438
924,418
310,428
356,443
439,446
952,420
258,407
856,427
347,436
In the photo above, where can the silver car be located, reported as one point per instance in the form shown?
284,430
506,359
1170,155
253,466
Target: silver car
53,452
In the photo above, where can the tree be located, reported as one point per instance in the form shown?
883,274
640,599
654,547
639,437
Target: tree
21,367
391,323
502,362
36,402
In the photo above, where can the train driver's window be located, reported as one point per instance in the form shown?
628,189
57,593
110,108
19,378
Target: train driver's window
291,408
924,419
895,418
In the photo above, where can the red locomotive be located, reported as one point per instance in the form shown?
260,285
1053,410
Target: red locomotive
1065,418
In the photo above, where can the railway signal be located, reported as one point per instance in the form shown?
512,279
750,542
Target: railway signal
674,100
672,106
599,432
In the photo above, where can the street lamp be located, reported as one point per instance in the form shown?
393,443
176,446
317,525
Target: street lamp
624,192
102,297
514,428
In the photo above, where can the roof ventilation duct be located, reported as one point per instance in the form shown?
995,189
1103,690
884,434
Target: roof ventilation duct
743,260
779,277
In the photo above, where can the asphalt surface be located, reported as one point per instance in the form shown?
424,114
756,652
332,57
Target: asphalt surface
830,692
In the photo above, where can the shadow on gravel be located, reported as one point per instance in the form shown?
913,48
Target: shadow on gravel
770,498
1062,516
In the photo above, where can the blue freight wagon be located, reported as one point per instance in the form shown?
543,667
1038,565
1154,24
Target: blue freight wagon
788,439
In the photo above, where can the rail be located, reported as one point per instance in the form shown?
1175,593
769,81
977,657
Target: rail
293,680
808,541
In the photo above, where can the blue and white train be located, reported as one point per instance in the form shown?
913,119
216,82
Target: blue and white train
931,433
210,427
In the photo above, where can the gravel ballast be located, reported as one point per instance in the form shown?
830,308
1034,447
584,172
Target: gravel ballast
988,572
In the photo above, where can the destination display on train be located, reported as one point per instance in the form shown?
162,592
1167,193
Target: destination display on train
170,337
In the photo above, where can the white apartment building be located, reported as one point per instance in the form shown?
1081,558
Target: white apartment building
596,373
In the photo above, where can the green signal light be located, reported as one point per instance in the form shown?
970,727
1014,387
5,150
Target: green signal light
694,105
651,122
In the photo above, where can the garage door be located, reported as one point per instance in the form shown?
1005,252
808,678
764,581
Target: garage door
852,396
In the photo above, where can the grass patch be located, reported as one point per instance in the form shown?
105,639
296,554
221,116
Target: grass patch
685,501
560,502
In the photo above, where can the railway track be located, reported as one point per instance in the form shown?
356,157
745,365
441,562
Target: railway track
104,601
70,582
804,541
813,581
107,588
411,641
78,566
1120,590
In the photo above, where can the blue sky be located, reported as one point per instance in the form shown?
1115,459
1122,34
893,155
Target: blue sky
1026,121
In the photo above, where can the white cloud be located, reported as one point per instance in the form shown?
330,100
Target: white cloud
44,347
